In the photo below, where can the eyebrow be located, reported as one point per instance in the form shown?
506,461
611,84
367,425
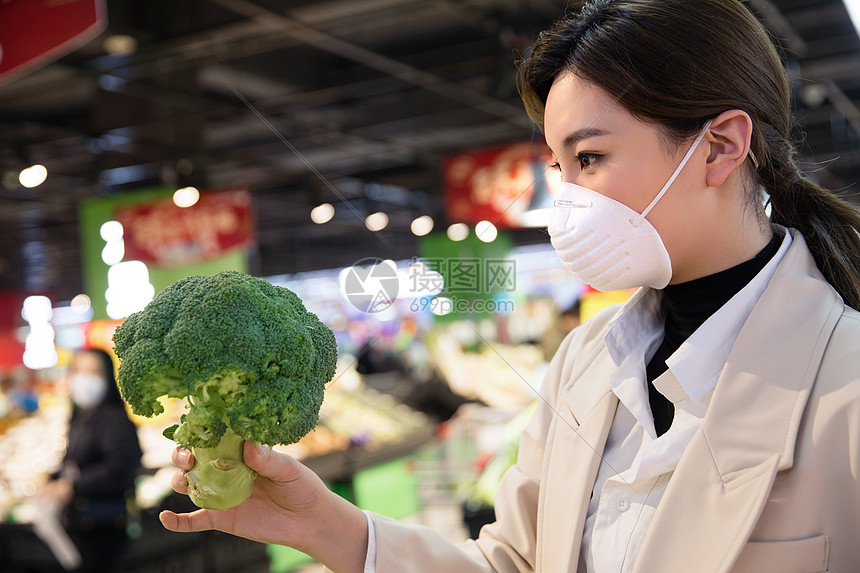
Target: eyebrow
578,136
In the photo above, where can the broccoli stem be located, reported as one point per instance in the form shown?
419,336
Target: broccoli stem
220,479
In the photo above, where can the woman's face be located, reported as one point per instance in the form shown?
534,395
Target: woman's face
597,143
87,363
87,382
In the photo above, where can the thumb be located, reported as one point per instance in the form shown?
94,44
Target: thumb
269,464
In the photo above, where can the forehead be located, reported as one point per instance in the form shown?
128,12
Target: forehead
87,362
574,104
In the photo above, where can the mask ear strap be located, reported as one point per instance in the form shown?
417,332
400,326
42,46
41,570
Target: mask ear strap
635,221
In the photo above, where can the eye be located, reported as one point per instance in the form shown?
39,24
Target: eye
554,166
586,160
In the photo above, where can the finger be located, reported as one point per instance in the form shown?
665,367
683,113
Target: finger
179,483
200,520
268,463
182,458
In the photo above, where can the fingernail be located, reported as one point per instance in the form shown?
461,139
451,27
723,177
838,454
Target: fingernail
184,457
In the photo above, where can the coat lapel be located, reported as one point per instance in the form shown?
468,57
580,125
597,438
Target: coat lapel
570,468
722,482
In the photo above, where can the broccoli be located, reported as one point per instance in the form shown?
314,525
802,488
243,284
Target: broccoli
251,360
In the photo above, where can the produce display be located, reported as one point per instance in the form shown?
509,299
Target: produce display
483,490
251,360
499,375
37,444
368,417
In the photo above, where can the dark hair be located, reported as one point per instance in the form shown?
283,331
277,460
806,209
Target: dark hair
112,396
574,310
678,63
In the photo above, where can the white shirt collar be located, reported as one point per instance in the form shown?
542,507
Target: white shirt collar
699,361
636,329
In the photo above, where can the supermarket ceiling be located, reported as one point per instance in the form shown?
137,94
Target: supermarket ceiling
372,94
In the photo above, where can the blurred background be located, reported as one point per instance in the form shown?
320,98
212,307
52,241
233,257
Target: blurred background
371,155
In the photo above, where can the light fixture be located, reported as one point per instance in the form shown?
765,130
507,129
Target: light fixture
120,45
486,231
186,197
458,231
111,231
322,213
129,289
114,249
39,349
422,225
853,7
81,303
33,176
376,221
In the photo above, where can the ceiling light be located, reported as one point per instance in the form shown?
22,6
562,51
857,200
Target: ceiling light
113,252
322,213
422,225
111,231
186,197
81,303
120,45
486,231
376,221
458,231
33,176
853,7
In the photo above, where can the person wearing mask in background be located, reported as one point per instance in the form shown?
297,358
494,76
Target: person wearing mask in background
710,424
567,320
100,466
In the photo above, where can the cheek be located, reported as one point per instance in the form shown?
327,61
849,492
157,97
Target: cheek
679,217
632,181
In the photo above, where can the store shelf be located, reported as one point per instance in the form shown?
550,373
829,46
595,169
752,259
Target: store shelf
344,464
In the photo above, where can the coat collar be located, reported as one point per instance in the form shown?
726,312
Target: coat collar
722,482
747,436
757,405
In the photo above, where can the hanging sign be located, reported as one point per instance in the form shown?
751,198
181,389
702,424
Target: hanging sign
36,32
510,186
163,234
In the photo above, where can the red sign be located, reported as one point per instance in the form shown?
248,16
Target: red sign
500,185
164,234
36,32
11,348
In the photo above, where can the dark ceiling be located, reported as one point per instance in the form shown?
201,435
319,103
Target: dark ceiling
371,93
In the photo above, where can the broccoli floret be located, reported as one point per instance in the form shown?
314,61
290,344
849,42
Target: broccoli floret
251,360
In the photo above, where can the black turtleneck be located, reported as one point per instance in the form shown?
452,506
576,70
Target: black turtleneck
686,307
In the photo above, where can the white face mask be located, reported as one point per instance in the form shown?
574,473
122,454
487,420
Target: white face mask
608,245
87,390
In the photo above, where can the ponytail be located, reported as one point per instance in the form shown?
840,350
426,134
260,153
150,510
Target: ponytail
830,225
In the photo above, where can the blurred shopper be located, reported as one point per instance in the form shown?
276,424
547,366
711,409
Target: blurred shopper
710,424
567,320
101,463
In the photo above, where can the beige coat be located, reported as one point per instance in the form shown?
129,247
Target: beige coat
769,483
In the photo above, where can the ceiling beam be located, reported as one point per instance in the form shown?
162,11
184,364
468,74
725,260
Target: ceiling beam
373,60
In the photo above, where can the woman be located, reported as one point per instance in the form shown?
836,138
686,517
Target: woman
101,463
709,424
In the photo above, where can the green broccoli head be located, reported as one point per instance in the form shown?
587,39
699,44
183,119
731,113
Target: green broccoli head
246,353
251,360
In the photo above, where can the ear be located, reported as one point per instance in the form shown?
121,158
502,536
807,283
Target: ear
729,140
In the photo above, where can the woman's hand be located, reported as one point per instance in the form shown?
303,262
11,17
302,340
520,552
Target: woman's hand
290,506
